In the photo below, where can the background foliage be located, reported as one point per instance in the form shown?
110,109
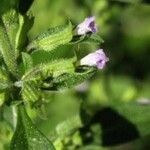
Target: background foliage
114,97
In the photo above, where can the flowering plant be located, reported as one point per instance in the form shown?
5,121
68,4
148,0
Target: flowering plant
25,80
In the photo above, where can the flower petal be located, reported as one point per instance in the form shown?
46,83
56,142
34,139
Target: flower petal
88,25
97,58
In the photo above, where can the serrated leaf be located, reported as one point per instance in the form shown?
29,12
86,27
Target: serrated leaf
11,24
68,80
62,52
27,136
4,85
30,91
27,61
13,36
52,38
53,69
25,24
89,38
7,33
93,38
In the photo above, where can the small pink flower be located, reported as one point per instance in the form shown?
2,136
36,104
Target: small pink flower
88,25
97,59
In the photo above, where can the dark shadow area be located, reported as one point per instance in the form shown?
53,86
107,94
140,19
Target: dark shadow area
146,1
116,129
24,5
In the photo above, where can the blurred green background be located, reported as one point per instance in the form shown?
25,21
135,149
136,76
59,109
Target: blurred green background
121,89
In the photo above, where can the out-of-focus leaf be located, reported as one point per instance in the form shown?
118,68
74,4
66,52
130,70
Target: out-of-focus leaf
137,114
6,134
27,136
93,147
4,85
6,5
122,88
52,38
128,1
67,127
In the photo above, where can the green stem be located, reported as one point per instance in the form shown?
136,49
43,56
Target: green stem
14,112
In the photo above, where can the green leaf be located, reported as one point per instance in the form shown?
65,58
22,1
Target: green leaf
11,24
129,1
4,85
61,52
27,61
68,80
8,28
3,76
25,24
67,127
13,36
52,38
6,5
30,91
27,136
137,114
34,79
53,69
89,38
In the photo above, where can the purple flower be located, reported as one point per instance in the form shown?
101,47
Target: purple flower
88,25
97,58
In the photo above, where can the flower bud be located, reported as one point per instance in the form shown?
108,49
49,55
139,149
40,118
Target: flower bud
88,25
97,59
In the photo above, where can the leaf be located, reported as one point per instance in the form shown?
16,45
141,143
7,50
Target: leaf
36,78
128,1
93,38
7,34
6,5
27,136
4,81
11,24
27,61
68,127
4,85
68,80
30,91
89,38
53,69
52,38
25,24
61,52
13,37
